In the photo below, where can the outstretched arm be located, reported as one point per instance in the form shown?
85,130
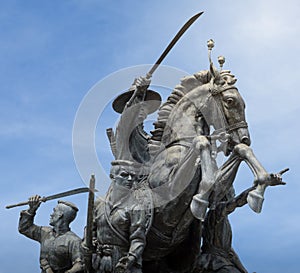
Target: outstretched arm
26,225
241,199
137,110
132,116
238,201
140,86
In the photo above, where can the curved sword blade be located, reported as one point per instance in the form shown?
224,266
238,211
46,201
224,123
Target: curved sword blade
173,42
51,197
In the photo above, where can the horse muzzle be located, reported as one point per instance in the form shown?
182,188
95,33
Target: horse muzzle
237,136
244,136
240,135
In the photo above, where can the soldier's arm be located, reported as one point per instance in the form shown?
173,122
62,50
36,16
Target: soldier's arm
26,221
76,254
137,236
137,240
132,116
77,267
241,200
238,201
140,86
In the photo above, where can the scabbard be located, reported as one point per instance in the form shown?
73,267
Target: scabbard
89,226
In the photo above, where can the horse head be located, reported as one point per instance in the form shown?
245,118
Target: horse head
225,107
227,111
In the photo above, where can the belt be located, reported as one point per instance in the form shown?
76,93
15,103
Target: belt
107,249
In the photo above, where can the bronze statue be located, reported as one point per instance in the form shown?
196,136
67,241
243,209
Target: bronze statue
167,190
60,247
183,173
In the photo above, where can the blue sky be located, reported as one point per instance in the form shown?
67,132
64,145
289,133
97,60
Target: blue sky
53,52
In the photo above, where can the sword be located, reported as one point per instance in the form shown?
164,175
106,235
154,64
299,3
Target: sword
165,53
172,43
51,197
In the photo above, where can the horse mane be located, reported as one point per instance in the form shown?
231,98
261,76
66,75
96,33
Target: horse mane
187,84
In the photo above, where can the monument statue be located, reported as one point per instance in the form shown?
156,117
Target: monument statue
60,247
180,167
166,210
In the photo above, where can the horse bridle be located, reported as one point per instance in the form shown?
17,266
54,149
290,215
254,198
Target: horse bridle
216,92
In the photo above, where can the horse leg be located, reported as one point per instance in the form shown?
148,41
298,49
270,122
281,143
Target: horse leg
256,197
226,175
224,178
221,179
209,167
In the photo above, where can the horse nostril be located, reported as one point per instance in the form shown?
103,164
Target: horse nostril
246,140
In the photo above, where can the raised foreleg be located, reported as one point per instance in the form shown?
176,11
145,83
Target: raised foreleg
262,178
209,167
220,180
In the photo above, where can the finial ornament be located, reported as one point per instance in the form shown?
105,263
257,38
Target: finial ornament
221,60
221,80
210,45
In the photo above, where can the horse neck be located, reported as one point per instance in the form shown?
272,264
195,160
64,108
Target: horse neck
177,116
186,120
182,123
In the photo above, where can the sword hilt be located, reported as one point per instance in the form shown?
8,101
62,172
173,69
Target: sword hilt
42,199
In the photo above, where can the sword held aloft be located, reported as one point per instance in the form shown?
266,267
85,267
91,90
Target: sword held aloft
51,197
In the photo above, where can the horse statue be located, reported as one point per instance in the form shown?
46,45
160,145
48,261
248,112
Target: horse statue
204,115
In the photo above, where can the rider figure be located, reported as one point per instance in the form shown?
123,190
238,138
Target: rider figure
120,221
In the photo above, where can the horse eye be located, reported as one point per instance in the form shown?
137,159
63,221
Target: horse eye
230,101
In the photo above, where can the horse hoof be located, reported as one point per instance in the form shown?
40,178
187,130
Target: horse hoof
255,201
199,207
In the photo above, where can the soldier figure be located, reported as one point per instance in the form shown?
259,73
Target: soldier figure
60,247
121,220
120,225
217,254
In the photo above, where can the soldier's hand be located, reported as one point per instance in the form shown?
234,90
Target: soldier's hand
142,81
276,179
34,203
94,242
125,263
140,86
84,247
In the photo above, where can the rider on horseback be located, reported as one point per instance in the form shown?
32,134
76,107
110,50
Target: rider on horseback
122,219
